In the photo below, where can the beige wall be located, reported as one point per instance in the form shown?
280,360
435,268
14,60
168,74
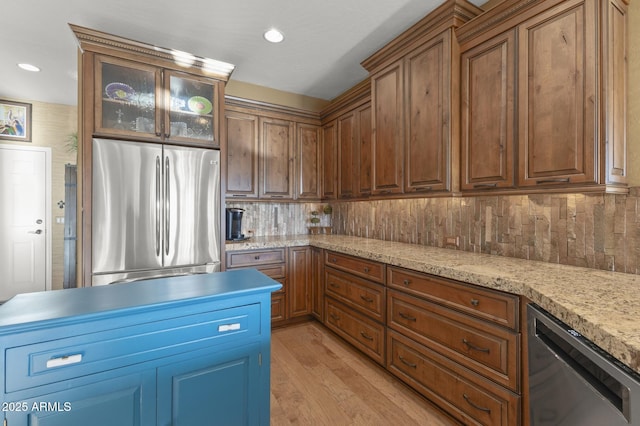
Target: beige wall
51,126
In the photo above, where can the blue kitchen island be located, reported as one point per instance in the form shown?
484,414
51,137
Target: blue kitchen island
191,350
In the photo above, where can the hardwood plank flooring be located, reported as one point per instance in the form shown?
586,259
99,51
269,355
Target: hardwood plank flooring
318,379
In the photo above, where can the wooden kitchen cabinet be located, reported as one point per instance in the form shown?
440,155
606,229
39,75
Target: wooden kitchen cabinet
317,283
387,142
138,100
430,115
292,267
242,155
308,156
562,127
300,282
488,114
348,166
354,298
276,162
329,160
363,120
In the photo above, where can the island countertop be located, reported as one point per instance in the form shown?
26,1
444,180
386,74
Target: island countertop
603,306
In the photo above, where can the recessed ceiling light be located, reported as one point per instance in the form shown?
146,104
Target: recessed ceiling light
29,67
273,35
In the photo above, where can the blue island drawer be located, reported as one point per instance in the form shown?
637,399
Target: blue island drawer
71,357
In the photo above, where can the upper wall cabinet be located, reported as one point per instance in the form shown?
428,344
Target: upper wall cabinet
562,127
414,99
137,100
272,152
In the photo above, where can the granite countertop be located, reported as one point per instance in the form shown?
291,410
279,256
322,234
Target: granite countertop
603,306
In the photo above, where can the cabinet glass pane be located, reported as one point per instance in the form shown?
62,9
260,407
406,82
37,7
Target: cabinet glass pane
191,109
128,98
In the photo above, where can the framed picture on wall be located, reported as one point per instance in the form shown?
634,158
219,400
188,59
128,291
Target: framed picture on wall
15,121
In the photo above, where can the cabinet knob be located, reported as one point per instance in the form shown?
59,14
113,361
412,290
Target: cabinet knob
366,269
475,302
334,260
406,282
257,257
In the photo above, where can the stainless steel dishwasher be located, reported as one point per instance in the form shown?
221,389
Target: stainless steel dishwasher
573,382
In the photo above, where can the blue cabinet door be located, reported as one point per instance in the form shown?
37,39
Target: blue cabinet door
218,388
123,401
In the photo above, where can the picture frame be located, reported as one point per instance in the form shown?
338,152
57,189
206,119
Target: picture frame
15,121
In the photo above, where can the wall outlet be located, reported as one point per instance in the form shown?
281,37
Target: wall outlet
452,241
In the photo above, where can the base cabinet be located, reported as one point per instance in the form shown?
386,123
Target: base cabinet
126,400
189,392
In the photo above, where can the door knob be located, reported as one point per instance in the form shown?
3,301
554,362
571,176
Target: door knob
37,231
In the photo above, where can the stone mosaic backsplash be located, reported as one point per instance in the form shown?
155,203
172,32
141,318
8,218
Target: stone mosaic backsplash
600,231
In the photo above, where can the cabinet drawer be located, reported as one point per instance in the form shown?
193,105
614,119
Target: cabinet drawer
494,306
469,398
273,271
482,347
47,362
362,295
361,267
254,258
362,332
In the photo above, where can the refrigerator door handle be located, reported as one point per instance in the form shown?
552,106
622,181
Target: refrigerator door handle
167,203
158,195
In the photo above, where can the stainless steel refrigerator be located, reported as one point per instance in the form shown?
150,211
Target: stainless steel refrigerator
155,211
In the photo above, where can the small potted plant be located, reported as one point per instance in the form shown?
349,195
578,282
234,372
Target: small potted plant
315,220
327,209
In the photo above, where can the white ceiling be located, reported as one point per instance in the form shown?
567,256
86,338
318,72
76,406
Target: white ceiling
325,40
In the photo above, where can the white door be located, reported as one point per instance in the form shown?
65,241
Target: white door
23,220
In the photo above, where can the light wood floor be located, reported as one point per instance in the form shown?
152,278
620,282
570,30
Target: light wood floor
317,379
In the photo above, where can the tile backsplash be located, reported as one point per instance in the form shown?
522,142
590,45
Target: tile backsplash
600,231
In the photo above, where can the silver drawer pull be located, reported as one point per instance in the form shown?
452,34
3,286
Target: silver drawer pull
477,407
229,327
475,302
366,269
366,299
64,360
406,282
474,347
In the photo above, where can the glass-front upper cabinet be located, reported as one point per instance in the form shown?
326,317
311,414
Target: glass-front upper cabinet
146,102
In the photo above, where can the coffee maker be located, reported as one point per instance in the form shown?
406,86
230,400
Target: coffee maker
234,224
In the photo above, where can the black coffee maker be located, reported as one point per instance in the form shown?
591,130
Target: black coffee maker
234,224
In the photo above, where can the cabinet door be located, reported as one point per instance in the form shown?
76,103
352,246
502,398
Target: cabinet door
347,163
222,387
276,171
329,160
488,97
299,276
364,149
127,96
308,161
387,141
428,116
242,155
191,110
123,401
317,283
557,96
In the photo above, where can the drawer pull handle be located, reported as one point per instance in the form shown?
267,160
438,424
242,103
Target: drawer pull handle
406,282
474,347
475,302
334,317
477,407
229,327
64,360
366,269
257,257
407,363
366,299
334,285
334,260
407,316
365,335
